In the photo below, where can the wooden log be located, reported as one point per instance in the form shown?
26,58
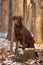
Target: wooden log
21,55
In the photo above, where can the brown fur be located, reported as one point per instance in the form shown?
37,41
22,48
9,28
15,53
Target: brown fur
22,34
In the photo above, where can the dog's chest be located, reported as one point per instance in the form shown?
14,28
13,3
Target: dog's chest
18,34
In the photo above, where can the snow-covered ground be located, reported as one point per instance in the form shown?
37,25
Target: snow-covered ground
6,44
3,34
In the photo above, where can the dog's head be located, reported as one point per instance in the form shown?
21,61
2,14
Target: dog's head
17,20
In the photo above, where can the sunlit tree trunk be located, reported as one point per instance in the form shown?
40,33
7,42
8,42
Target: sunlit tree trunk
16,7
33,25
42,18
42,23
24,12
29,17
38,34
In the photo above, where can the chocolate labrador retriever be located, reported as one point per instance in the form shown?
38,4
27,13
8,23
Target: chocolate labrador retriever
22,34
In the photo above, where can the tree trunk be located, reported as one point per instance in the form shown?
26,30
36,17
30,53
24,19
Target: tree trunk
16,3
12,37
24,12
1,26
29,18
16,7
38,34
10,20
33,25
10,25
42,17
42,23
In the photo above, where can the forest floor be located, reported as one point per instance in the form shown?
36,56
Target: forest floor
9,58
19,57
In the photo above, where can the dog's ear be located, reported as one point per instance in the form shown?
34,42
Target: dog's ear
13,18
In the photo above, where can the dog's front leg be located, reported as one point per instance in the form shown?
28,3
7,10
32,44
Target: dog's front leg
16,44
23,42
23,39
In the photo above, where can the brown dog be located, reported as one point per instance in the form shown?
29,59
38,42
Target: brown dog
22,34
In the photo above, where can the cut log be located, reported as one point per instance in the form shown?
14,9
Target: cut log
21,55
